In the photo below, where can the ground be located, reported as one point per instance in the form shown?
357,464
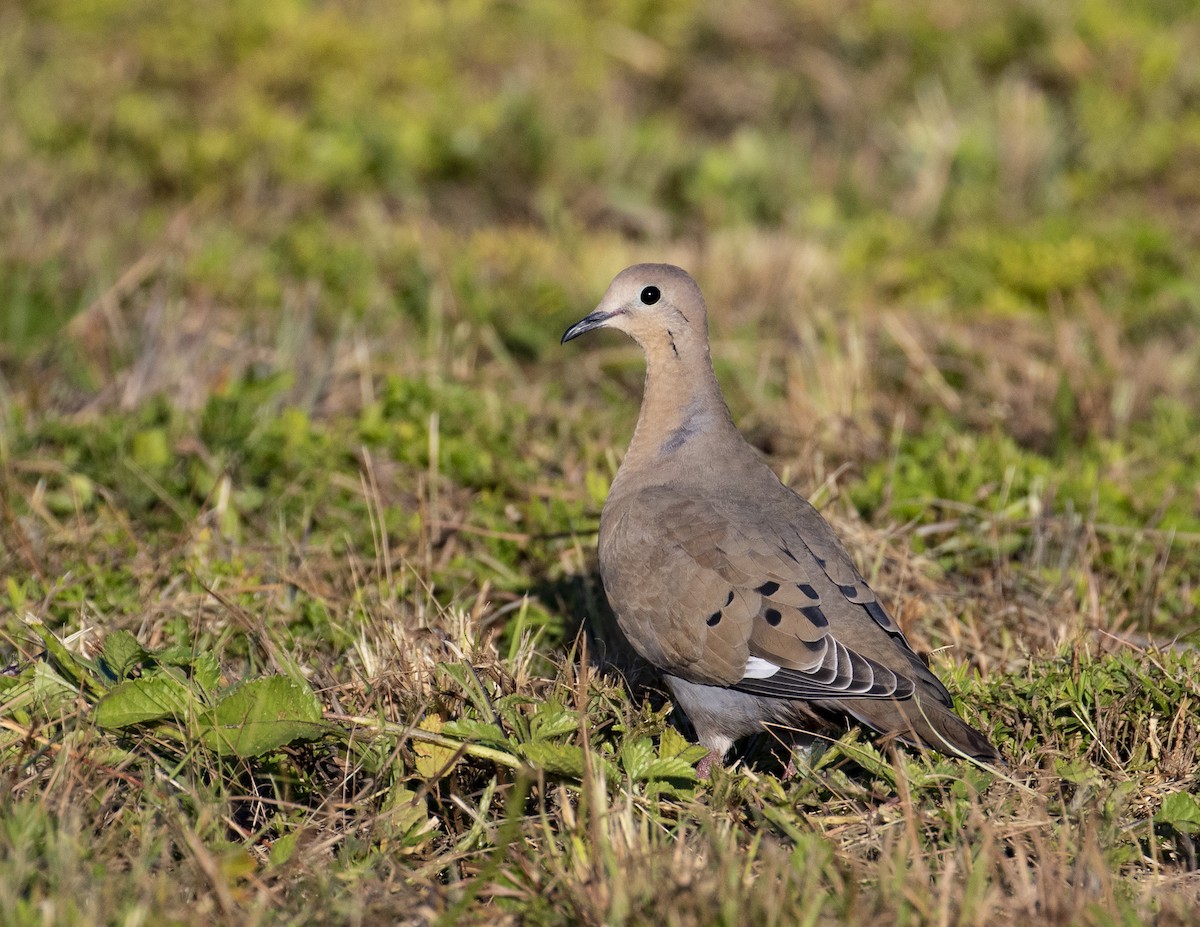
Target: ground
299,492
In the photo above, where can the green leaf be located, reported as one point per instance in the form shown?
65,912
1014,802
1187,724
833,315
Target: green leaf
181,655
556,759
262,715
74,668
636,756
137,701
470,684
553,720
122,653
786,820
151,449
670,767
672,743
206,672
283,848
512,711
405,818
12,682
17,692
16,594
477,731
51,690
1181,811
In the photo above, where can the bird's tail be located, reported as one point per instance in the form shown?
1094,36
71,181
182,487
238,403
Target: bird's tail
923,722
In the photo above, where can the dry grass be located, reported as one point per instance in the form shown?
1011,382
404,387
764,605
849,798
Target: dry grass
423,832
280,386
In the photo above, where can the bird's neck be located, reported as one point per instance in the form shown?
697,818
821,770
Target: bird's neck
683,410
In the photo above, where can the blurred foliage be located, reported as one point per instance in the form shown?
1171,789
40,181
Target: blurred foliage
458,179
989,157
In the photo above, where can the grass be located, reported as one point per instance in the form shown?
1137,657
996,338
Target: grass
286,436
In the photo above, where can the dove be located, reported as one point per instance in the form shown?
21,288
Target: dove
728,582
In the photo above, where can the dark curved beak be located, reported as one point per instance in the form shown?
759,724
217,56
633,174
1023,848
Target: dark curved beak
595,320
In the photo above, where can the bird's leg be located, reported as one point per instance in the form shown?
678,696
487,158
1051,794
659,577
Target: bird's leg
704,767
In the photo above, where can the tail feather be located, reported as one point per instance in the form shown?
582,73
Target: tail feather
922,722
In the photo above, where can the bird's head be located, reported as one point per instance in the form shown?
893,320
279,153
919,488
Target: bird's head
658,305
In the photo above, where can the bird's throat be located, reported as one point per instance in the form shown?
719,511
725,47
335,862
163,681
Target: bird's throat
682,407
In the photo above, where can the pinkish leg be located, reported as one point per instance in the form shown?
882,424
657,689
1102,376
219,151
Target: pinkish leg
704,767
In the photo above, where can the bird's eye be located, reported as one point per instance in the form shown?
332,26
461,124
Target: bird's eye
651,295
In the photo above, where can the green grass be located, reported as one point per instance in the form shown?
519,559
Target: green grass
285,428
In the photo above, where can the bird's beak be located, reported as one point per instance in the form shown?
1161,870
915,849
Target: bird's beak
595,320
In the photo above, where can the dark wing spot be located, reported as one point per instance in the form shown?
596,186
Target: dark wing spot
808,590
729,601
773,617
814,614
858,593
875,610
768,589
713,620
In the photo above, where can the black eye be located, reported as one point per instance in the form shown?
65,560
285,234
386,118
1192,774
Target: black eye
651,295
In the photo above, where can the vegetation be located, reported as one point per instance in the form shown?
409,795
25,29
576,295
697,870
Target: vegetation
298,491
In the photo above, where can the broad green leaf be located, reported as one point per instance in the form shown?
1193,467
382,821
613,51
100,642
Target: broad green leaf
1077,771
557,759
137,701
122,653
73,667
283,848
672,743
1182,811
636,756
669,767
206,672
476,731
181,655
50,689
262,715
552,720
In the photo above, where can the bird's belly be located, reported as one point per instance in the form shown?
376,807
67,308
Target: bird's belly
722,716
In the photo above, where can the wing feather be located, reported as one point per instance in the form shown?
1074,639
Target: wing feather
702,595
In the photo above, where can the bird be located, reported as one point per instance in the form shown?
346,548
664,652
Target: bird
725,580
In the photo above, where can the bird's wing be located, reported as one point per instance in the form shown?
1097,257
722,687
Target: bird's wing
767,602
